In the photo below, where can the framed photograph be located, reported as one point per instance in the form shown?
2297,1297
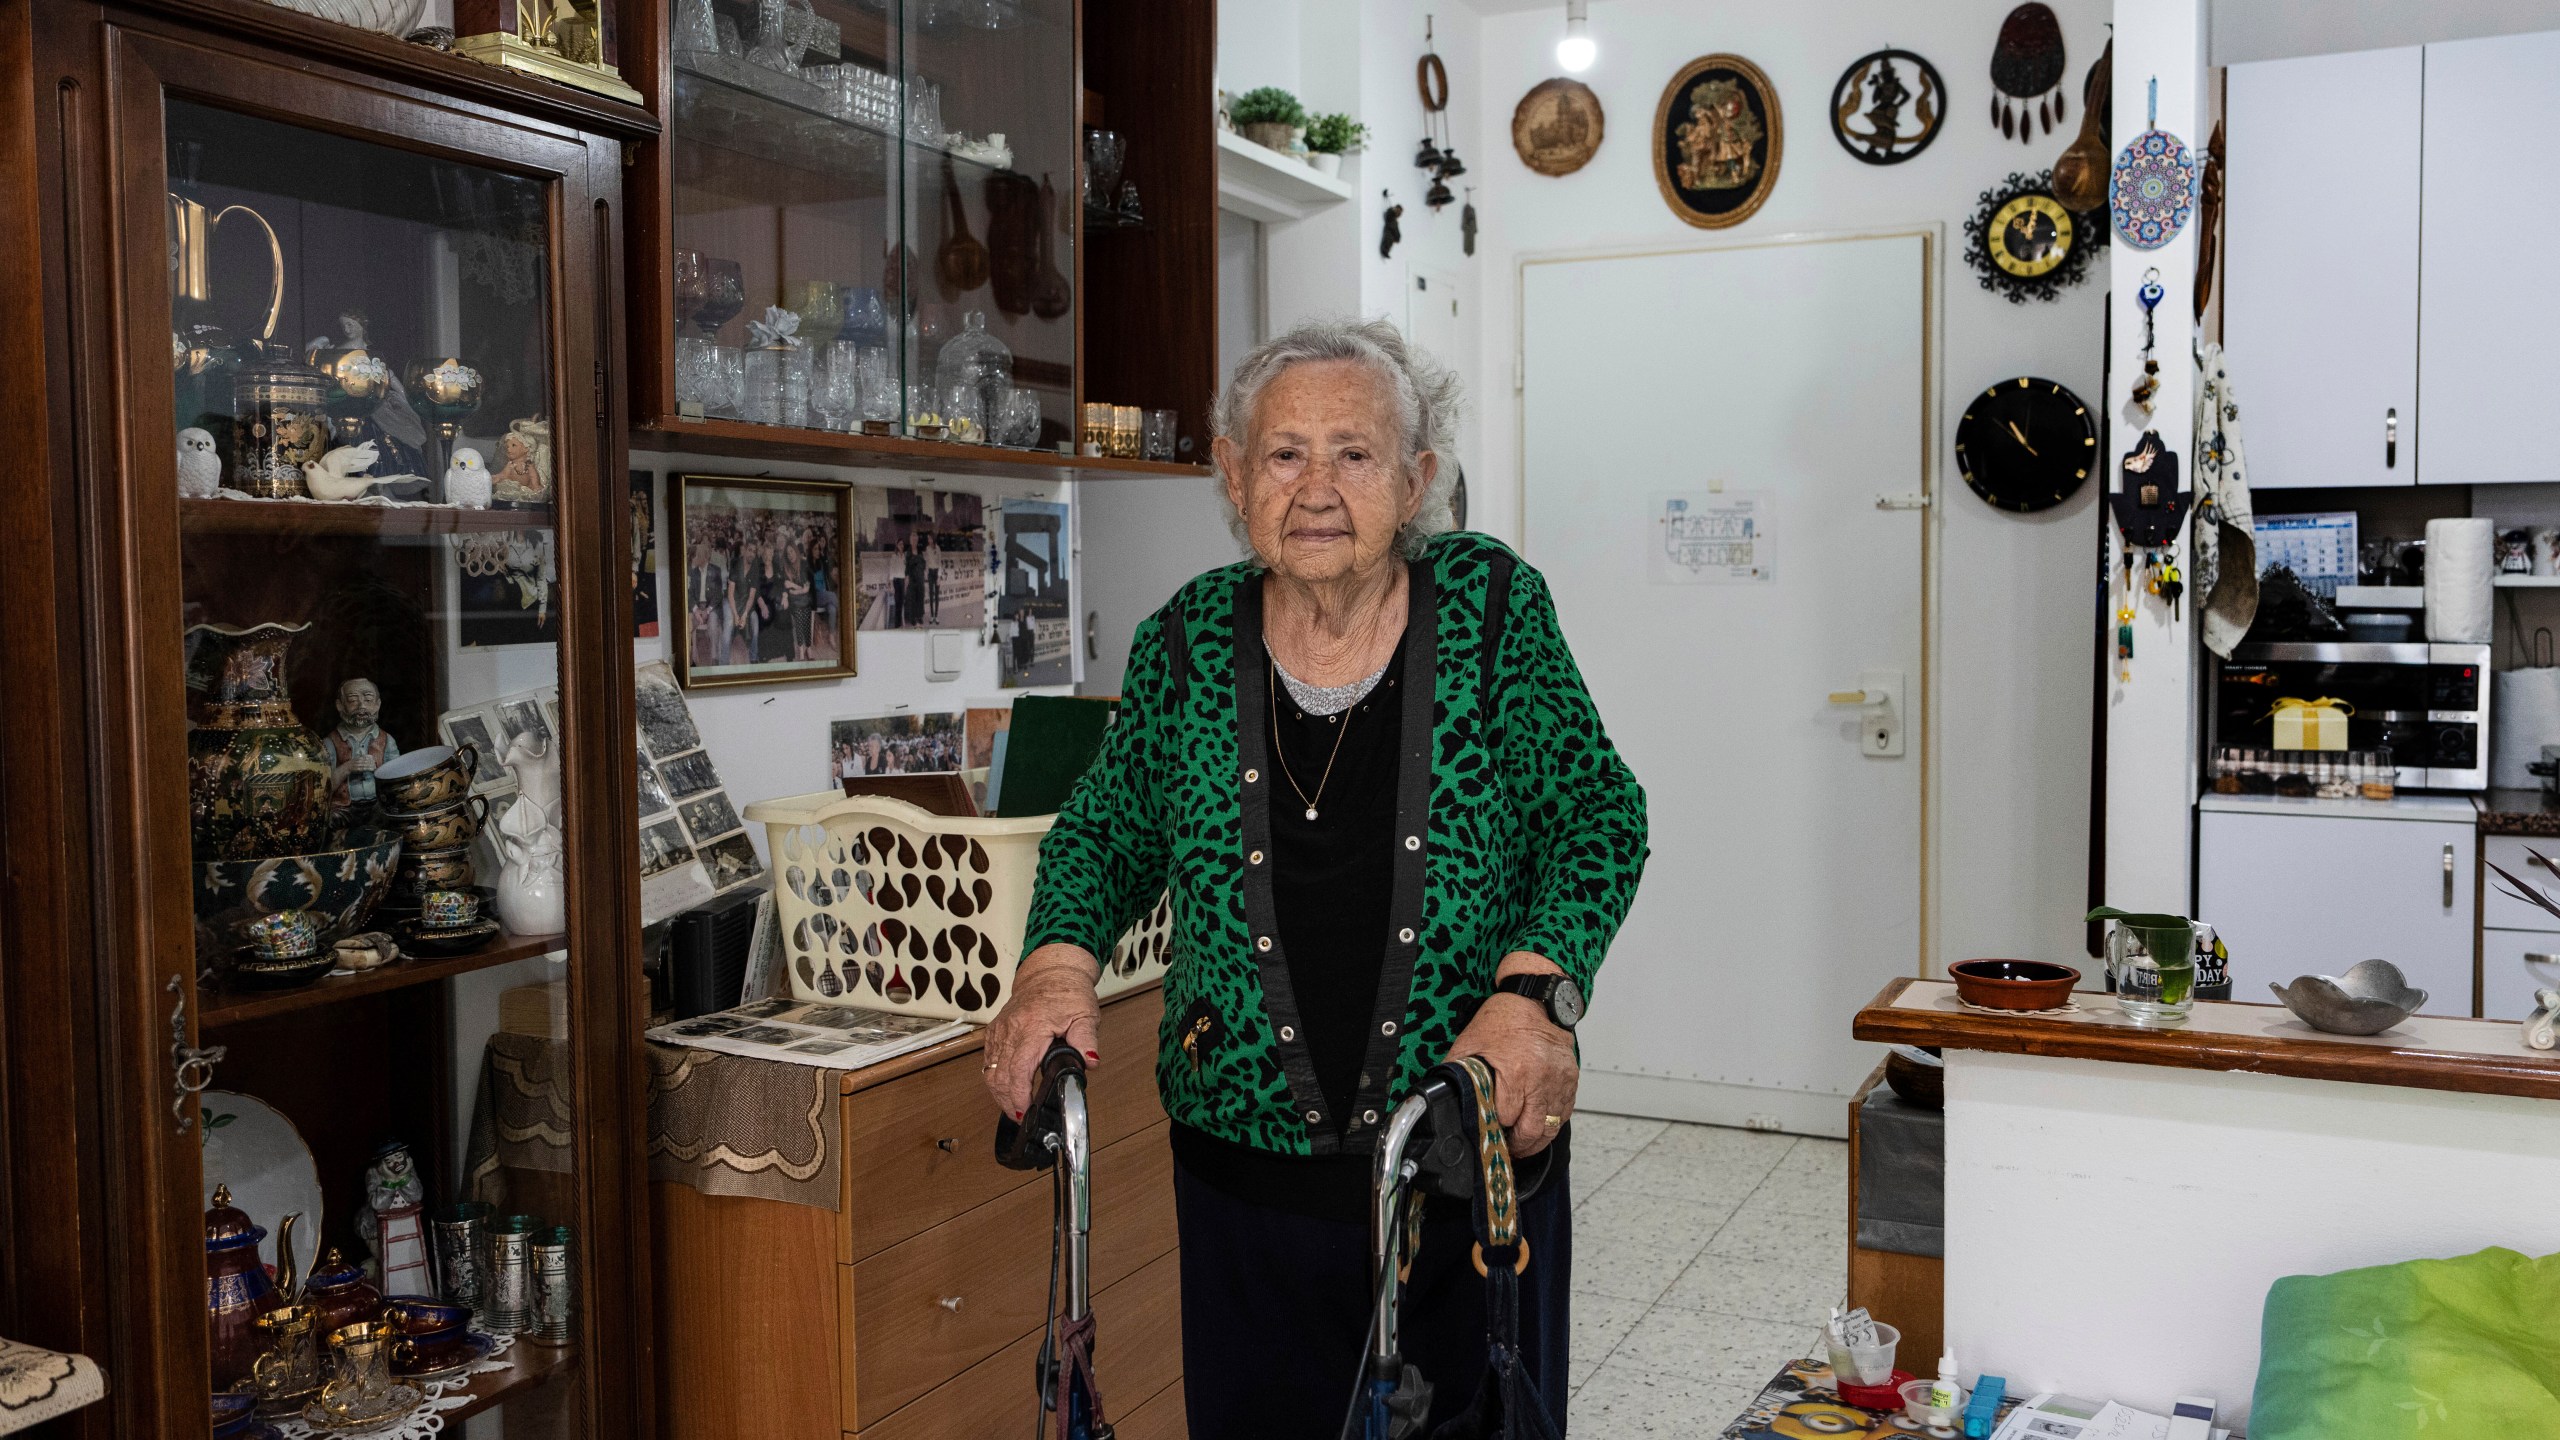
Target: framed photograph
907,743
760,579
689,774
1033,626
644,555
919,556
1717,140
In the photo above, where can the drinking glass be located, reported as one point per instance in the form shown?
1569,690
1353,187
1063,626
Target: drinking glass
693,289
1104,154
964,416
924,412
874,391
723,366
2151,960
820,306
833,387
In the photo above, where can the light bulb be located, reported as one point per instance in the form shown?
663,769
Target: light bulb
1576,50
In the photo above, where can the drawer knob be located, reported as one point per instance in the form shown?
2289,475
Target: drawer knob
948,1144
950,1303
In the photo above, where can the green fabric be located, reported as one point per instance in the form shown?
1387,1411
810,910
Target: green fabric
1052,741
2463,1349
1535,841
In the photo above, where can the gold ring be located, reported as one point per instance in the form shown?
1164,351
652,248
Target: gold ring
1555,1122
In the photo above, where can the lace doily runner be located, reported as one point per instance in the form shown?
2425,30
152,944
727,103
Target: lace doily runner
37,1385
438,1399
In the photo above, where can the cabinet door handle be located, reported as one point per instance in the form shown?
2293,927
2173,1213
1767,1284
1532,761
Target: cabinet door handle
2391,439
948,1144
192,1067
950,1303
2448,877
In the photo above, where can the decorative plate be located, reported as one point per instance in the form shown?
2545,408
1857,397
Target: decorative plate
474,1348
1868,101
1717,139
1557,126
2154,191
459,940
254,1149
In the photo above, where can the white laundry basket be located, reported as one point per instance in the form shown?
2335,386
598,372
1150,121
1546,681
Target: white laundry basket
889,906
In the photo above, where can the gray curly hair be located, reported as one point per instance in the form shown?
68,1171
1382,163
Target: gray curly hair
1427,399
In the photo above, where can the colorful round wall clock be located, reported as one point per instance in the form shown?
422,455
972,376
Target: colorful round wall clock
2154,190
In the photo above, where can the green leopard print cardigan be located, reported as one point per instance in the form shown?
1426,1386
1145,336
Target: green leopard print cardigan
1531,837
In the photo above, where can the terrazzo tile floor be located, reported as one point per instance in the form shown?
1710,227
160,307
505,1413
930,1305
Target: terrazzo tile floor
1703,1259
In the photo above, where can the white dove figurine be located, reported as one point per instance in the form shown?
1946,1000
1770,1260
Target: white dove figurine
466,480
199,466
339,475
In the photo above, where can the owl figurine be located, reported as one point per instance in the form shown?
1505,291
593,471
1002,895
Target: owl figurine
466,480
199,467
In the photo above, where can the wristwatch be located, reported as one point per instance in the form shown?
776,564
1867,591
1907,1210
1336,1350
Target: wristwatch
1561,997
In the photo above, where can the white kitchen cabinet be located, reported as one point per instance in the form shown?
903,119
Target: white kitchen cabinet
2487,362
2320,291
2302,892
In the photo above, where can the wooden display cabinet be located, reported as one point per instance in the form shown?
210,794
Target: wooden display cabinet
463,211
825,174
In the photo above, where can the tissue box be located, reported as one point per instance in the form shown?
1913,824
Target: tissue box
2310,725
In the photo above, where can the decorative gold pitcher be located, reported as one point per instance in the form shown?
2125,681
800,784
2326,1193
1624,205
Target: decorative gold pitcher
192,224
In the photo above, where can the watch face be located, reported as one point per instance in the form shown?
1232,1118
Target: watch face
1565,1003
2030,235
2026,444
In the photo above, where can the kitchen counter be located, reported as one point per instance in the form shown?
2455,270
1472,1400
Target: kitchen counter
2518,812
2407,805
2118,1199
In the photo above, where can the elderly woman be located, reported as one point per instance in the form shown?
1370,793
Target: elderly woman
1395,833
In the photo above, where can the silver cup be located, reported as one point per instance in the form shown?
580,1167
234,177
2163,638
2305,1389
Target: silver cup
462,1253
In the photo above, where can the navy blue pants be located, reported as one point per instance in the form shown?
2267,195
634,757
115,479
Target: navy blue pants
1275,1311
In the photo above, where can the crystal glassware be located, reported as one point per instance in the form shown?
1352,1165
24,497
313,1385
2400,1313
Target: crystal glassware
820,306
777,385
1105,152
964,413
834,388
924,411
977,364
875,392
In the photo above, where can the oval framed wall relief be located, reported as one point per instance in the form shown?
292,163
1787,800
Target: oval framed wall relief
1717,140
1557,126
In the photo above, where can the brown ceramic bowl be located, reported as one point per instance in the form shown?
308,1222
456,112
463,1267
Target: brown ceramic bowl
2014,984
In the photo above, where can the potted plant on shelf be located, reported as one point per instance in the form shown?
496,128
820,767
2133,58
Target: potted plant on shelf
1268,116
1329,138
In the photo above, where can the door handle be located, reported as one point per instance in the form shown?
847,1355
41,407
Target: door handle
1879,701
2391,441
1856,697
2448,877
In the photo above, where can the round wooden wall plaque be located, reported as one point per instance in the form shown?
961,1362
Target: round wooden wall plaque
1557,126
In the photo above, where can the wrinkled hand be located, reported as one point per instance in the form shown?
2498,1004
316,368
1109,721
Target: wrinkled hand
1535,1073
1052,997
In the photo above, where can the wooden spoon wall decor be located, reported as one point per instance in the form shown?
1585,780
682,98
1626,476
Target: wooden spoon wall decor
961,263
1051,292
2080,176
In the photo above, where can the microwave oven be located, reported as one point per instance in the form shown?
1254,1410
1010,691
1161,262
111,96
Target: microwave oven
2427,704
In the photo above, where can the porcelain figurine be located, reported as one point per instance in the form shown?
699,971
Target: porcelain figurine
532,883
199,465
466,480
340,474
524,475
394,1222
359,746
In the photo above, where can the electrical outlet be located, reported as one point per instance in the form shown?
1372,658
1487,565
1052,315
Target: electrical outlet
1761,1122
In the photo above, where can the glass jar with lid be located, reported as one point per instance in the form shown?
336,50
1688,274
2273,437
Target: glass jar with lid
978,363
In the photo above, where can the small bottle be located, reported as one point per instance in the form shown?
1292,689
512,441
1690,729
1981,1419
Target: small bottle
1944,1390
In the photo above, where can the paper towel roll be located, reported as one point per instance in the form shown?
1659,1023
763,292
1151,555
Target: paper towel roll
2525,716
2460,561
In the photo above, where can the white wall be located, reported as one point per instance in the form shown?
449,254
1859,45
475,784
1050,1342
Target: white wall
2012,665
2274,29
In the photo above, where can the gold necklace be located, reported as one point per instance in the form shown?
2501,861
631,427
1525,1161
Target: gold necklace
1277,753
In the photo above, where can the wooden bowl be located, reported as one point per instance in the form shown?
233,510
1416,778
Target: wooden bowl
2014,984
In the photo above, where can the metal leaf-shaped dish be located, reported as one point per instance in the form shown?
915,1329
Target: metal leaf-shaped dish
2370,998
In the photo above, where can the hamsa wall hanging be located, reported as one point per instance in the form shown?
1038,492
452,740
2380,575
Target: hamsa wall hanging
2026,73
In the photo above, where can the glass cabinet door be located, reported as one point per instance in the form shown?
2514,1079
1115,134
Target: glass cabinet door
389,666
874,216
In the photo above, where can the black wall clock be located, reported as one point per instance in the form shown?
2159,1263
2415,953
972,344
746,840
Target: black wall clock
2026,444
2025,243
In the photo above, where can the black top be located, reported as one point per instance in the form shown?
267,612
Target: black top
1332,881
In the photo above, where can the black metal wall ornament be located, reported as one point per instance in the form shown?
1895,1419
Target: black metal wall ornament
1867,106
1391,233
1467,223
1436,155
2026,69
2025,244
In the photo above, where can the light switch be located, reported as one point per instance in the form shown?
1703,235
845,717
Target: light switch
950,647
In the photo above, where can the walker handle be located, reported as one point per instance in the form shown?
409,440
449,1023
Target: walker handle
1033,1142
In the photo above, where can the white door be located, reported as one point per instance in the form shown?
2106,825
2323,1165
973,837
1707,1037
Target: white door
2320,299
1432,314
2313,894
2487,362
1780,388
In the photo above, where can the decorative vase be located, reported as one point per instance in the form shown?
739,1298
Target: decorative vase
1270,134
533,888
257,780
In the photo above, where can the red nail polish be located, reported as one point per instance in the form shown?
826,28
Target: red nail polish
1094,1056
1017,1115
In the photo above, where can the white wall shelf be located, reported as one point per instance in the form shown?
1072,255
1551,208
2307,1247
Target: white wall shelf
1264,185
2526,582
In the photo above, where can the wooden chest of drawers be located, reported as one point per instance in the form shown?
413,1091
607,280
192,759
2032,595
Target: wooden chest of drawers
914,1312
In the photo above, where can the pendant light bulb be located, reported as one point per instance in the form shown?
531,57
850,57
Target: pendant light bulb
1577,50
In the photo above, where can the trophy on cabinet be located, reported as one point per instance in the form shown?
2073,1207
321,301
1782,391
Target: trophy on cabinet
571,41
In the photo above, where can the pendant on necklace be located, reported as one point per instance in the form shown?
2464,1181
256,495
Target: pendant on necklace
1311,812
